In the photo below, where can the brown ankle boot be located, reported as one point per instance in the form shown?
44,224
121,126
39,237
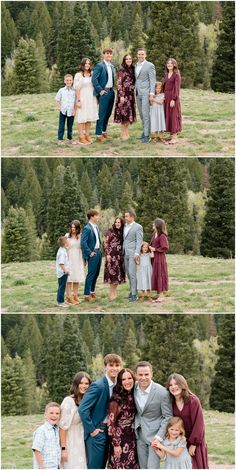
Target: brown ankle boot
71,300
77,299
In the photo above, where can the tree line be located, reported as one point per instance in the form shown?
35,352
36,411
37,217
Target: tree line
41,41
40,197
41,353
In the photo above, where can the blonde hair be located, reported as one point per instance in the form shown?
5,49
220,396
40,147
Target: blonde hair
159,84
175,420
51,405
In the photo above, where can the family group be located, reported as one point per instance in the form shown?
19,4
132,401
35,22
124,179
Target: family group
125,253
90,96
124,420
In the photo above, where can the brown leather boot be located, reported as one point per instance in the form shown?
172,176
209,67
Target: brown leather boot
71,300
77,299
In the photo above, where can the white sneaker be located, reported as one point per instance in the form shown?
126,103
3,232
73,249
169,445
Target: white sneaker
63,304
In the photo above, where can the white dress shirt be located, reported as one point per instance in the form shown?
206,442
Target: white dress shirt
97,244
142,395
109,83
138,67
127,228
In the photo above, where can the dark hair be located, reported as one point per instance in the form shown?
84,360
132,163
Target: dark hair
160,226
111,359
107,49
132,213
119,389
174,62
91,213
61,241
74,386
142,49
123,63
182,383
82,65
143,364
77,226
122,224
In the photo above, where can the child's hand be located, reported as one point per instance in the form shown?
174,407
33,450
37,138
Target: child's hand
108,258
117,452
172,104
122,99
64,455
156,444
151,248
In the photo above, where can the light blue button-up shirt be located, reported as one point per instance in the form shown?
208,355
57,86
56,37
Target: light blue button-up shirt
46,441
67,98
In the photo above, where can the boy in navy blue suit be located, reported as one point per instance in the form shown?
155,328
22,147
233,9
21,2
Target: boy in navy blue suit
93,412
103,82
91,251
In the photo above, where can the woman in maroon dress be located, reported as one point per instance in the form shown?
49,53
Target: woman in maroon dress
125,113
187,406
114,272
159,246
121,416
171,89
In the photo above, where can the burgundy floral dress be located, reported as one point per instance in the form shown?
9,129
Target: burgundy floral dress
171,88
125,113
121,415
159,267
114,272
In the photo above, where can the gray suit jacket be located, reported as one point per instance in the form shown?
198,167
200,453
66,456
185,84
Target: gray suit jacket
133,240
156,413
146,79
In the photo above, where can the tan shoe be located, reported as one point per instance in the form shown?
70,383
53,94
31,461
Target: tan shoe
105,135
83,141
93,295
88,298
101,139
77,299
87,137
71,300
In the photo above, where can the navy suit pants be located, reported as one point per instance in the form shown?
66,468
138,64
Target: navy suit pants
97,450
106,102
94,265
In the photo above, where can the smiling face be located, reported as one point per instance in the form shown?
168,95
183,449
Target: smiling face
83,386
144,376
107,56
127,381
170,66
112,370
87,65
94,219
128,218
128,60
174,388
141,55
52,414
118,223
174,431
68,81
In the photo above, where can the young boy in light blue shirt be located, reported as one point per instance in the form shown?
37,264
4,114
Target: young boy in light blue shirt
46,441
62,269
66,105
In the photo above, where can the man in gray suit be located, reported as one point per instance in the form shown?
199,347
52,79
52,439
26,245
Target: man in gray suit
153,412
133,239
145,74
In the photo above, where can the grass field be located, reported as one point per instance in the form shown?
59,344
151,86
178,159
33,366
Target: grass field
29,127
17,440
197,285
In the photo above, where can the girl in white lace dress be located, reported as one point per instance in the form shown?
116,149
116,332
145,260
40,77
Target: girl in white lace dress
87,106
71,428
76,263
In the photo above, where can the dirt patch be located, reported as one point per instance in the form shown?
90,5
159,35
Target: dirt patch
224,466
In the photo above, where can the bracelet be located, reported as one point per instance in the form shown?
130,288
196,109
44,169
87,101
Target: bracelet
63,448
78,101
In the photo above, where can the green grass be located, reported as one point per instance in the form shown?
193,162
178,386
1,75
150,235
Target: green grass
17,439
197,285
29,127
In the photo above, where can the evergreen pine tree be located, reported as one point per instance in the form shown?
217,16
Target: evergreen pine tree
108,329
23,23
116,16
13,385
40,22
28,70
218,230
222,388
8,33
96,18
70,359
12,340
177,40
225,54
34,255
127,198
164,195
88,334
30,188
51,349
80,40
130,352
30,384
5,204
73,204
169,347
54,228
4,349
16,237
31,339
42,63
104,186
64,30
138,37
86,187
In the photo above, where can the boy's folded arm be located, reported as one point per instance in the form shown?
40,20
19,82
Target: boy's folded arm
39,458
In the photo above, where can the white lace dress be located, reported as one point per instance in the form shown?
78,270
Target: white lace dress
88,112
70,421
76,264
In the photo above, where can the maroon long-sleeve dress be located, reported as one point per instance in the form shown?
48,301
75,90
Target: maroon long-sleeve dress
171,88
160,280
125,113
192,416
121,415
114,271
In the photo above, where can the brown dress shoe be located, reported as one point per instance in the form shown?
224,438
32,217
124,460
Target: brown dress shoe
93,295
105,135
101,139
88,298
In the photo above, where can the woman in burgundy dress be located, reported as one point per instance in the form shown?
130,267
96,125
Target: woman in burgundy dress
171,89
125,113
114,272
159,246
187,406
121,415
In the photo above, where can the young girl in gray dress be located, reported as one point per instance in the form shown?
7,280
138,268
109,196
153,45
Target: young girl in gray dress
157,115
174,449
144,272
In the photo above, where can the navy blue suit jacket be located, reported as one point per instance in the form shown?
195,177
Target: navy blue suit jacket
94,406
100,77
88,240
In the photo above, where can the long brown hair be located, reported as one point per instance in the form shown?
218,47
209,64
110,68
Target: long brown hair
77,225
175,65
82,65
160,226
74,389
119,389
182,383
